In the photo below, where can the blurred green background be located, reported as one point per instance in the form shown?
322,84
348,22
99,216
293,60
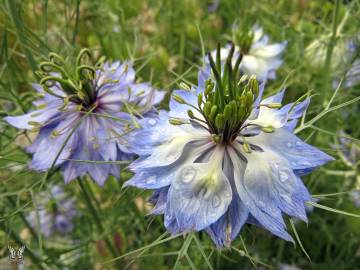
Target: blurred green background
164,39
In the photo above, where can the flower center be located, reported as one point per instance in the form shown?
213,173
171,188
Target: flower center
227,100
76,80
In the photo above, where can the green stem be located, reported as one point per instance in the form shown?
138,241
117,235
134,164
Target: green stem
327,71
333,36
95,215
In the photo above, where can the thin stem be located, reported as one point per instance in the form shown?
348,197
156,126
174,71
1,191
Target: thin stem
333,36
95,215
23,218
331,46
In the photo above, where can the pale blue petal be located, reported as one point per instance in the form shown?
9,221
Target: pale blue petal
256,195
302,157
195,203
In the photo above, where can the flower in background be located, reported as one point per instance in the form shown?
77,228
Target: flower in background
350,71
349,152
55,212
315,53
288,267
214,6
345,61
84,114
223,157
355,197
258,56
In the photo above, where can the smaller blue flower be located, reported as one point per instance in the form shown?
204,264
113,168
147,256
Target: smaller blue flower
55,212
355,197
91,109
350,70
258,56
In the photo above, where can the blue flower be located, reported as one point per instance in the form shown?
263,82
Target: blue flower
349,71
258,56
223,156
91,110
355,197
55,211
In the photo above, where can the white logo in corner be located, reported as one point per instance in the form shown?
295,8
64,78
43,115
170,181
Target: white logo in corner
16,257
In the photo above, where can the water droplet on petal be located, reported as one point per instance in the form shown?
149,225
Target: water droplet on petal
289,144
298,143
188,174
227,194
294,163
216,202
152,122
305,163
151,180
286,198
283,176
171,157
261,203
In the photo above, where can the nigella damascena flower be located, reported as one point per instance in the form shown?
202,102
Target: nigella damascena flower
355,197
55,212
89,109
258,56
350,70
225,158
